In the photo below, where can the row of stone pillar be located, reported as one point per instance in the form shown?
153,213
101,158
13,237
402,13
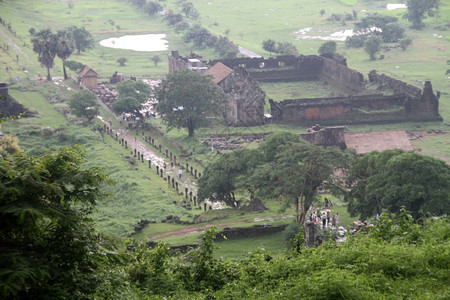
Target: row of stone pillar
160,171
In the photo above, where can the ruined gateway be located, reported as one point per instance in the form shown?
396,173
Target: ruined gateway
380,99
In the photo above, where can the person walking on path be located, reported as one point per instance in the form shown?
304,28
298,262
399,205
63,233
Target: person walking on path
324,220
179,173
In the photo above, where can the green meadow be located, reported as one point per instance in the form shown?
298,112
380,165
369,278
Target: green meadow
139,193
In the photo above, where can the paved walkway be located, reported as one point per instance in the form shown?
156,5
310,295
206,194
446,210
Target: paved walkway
149,153
248,53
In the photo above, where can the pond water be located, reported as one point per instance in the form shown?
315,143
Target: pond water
392,6
341,35
144,42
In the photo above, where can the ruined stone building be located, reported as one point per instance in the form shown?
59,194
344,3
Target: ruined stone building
9,107
380,99
246,99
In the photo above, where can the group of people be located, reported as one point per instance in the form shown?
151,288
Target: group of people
325,218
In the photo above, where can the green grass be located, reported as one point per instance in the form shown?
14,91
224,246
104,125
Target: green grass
294,90
237,249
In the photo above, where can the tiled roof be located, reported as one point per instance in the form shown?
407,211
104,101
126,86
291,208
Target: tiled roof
85,70
219,72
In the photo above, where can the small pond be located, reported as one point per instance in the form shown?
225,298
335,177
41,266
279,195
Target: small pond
144,42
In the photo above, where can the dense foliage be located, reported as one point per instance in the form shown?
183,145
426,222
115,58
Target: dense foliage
84,104
419,10
284,166
48,244
395,178
187,100
132,96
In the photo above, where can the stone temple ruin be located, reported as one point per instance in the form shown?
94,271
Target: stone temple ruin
380,99
9,107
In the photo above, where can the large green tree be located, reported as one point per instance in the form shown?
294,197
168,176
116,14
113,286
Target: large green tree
45,46
65,47
393,179
419,9
222,177
269,45
84,104
299,170
372,46
82,38
328,47
48,243
132,95
187,100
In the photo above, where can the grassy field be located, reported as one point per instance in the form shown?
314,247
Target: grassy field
139,192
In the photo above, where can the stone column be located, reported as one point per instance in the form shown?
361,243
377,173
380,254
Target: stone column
310,233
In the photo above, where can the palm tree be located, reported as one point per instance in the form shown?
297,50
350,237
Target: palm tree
45,45
65,47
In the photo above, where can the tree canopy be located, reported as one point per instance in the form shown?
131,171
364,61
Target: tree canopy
65,47
372,46
221,177
47,236
132,94
84,104
187,100
299,170
419,9
269,45
283,166
328,47
393,179
82,38
45,46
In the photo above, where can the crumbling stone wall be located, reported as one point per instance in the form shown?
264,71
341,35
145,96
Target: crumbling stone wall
280,69
9,107
177,62
327,137
241,232
403,107
341,75
397,86
246,99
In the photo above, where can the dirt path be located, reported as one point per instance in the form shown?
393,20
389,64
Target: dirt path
185,231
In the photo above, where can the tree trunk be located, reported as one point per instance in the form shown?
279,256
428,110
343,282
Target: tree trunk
191,127
302,210
256,203
49,78
64,69
297,219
